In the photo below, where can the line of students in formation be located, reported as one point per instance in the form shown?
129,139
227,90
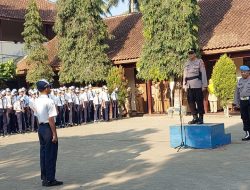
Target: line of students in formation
75,106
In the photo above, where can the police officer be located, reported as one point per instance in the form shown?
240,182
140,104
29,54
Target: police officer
45,110
106,103
85,104
97,106
194,83
242,99
77,104
91,96
70,102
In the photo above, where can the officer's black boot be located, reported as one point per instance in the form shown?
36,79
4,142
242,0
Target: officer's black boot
200,119
195,119
247,136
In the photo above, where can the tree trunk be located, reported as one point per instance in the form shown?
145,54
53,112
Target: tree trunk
132,5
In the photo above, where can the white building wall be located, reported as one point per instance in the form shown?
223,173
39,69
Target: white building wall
11,50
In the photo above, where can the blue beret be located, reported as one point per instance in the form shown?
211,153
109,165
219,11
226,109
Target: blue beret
244,68
42,85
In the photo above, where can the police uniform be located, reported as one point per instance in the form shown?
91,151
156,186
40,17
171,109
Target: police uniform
70,102
114,98
194,80
91,96
19,111
45,109
78,111
242,99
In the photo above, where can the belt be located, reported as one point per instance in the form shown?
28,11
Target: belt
244,98
43,123
192,78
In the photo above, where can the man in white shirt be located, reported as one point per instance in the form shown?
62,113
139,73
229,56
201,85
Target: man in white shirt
114,98
3,118
45,111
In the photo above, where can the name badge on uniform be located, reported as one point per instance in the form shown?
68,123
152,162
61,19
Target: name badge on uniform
244,98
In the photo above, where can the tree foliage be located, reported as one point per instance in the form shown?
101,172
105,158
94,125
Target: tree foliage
170,30
224,82
37,59
7,70
82,34
117,79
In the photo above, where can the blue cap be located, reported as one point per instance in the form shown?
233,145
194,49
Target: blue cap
42,85
244,68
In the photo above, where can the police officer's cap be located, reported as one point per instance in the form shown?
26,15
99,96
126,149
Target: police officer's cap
7,90
42,85
20,90
82,89
3,92
244,68
192,51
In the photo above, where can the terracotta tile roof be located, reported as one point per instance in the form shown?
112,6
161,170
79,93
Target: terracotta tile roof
224,24
127,35
16,9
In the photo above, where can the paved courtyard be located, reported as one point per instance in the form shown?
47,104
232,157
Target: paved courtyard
128,154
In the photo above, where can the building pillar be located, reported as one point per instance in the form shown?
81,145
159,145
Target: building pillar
149,96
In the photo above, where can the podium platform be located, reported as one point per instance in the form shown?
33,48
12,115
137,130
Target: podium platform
204,136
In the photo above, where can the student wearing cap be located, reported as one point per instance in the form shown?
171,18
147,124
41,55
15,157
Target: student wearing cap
9,111
195,83
45,110
106,103
97,106
91,96
3,118
77,104
70,100
114,98
33,119
241,99
85,104
19,111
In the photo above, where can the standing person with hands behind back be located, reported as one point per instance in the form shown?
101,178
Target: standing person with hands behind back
45,111
195,83
242,100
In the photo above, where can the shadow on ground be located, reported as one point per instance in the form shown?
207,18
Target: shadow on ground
115,161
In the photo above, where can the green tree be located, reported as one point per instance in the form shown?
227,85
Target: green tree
170,30
7,70
82,34
37,56
117,79
224,82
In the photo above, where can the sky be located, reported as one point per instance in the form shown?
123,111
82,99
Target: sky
120,9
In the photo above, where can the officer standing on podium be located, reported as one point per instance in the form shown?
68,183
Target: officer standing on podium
194,83
242,99
45,111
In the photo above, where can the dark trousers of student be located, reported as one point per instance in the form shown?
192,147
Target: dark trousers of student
77,114
107,107
27,117
3,121
48,153
245,114
71,113
97,115
21,121
33,121
195,97
114,109
9,116
91,110
85,111
61,116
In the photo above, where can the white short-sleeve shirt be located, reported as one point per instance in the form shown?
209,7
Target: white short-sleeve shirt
44,109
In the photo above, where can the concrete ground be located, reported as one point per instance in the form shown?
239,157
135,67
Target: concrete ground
128,154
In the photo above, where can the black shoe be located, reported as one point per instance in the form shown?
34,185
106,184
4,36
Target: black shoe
51,183
247,136
195,120
199,121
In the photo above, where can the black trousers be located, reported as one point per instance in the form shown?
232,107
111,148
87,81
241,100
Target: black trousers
61,116
85,111
77,114
48,153
114,109
3,121
21,121
245,114
33,121
195,100
71,113
107,107
91,110
97,112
